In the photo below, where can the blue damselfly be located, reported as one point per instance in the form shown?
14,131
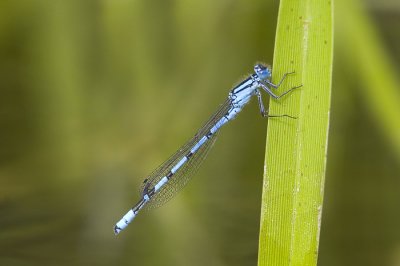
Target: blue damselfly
165,181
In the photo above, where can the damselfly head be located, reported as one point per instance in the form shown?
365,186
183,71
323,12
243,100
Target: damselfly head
262,71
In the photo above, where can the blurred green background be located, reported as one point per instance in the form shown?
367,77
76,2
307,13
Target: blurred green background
95,94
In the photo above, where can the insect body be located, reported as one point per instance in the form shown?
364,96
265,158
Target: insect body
164,182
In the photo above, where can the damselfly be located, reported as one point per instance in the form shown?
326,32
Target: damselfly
164,182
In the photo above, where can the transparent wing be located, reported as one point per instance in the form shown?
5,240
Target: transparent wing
181,177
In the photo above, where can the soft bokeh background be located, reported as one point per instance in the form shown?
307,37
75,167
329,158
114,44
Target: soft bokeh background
95,94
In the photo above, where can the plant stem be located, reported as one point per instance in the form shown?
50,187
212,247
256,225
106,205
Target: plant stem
296,148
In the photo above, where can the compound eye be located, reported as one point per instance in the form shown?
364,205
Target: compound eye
262,71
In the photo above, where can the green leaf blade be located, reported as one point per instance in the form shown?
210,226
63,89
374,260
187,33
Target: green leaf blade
296,148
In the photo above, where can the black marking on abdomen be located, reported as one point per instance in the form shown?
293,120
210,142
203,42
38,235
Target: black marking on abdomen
169,175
